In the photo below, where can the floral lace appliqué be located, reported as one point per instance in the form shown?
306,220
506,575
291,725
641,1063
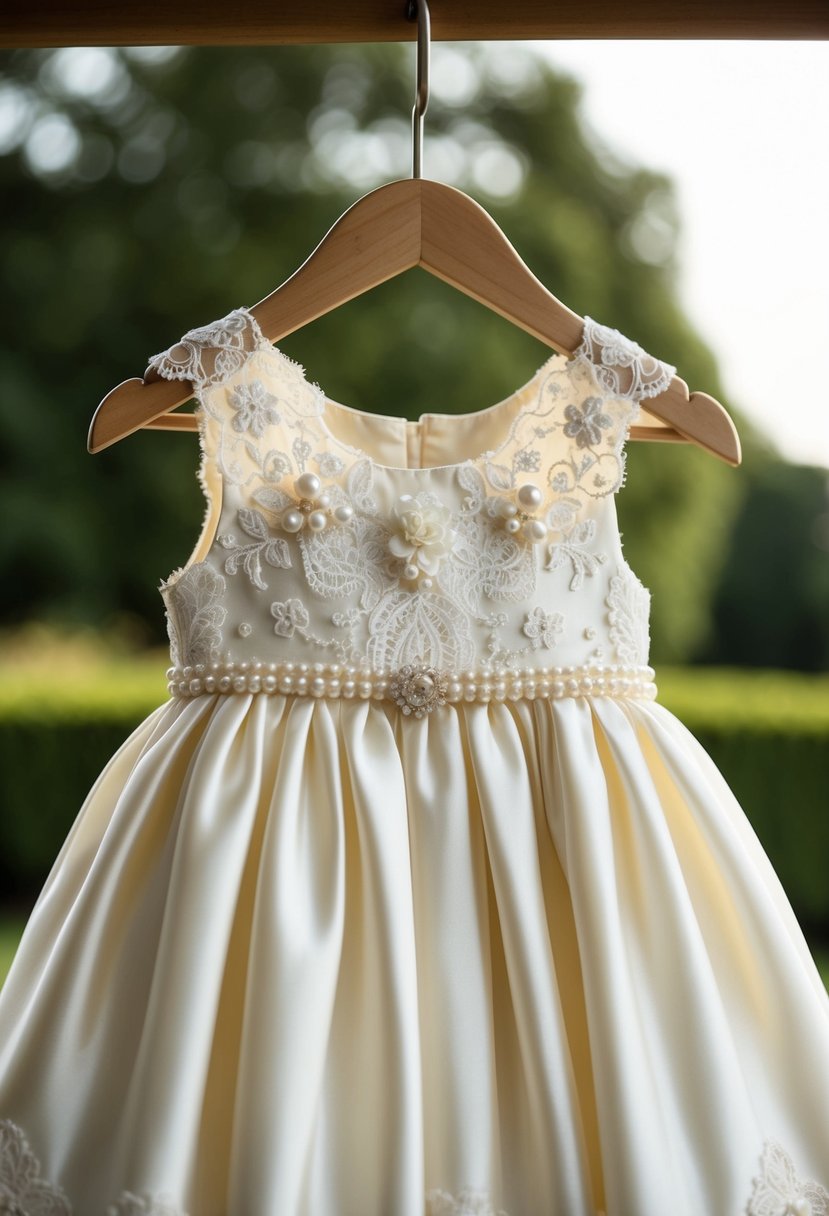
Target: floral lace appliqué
22,1190
143,1205
351,561
586,424
468,1202
197,613
262,547
543,628
255,408
424,627
778,1191
574,544
487,561
290,616
629,604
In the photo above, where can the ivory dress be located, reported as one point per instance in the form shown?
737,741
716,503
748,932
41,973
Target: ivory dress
412,900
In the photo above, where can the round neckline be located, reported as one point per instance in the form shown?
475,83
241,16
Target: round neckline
398,419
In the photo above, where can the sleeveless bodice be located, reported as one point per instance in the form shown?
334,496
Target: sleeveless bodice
451,558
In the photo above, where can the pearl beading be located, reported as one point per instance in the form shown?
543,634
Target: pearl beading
340,680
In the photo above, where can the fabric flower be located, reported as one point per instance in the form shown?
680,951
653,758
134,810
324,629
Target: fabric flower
255,408
543,628
586,425
289,615
422,532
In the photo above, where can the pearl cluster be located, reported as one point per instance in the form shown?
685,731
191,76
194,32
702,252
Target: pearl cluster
521,517
313,507
346,680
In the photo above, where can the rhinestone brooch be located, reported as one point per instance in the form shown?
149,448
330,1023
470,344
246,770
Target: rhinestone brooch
419,689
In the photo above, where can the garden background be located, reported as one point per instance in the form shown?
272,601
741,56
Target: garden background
148,190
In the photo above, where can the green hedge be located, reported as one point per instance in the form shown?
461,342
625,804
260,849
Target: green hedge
768,732
57,730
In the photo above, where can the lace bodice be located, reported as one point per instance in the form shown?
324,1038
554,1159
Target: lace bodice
483,544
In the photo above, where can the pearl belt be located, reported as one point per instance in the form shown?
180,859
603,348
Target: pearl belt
417,688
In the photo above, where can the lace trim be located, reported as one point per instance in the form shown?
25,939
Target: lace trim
605,361
779,1191
24,1193
622,366
212,353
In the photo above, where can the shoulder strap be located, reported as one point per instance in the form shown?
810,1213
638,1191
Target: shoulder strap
620,365
249,394
572,434
211,353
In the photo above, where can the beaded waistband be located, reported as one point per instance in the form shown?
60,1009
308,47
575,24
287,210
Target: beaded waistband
416,688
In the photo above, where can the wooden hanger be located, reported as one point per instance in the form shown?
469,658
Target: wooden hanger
407,223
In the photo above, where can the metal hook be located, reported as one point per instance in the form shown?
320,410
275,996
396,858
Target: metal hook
420,9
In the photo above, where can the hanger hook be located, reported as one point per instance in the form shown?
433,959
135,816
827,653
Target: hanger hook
420,9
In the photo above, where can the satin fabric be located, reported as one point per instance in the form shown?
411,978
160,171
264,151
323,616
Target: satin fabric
308,957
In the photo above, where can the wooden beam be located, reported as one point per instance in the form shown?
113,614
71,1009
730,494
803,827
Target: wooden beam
268,22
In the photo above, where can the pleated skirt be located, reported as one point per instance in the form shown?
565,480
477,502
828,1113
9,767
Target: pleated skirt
309,957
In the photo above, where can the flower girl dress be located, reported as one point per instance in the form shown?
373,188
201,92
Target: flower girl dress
412,899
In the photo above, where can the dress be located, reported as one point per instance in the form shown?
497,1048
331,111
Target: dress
412,900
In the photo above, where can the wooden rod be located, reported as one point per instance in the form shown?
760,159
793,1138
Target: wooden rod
269,22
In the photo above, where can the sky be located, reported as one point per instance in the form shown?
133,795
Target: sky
743,129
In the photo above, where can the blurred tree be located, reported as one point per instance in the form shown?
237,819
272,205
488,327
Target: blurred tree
148,190
769,606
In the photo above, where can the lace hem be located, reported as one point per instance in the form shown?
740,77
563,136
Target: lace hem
777,1190
211,353
23,1192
